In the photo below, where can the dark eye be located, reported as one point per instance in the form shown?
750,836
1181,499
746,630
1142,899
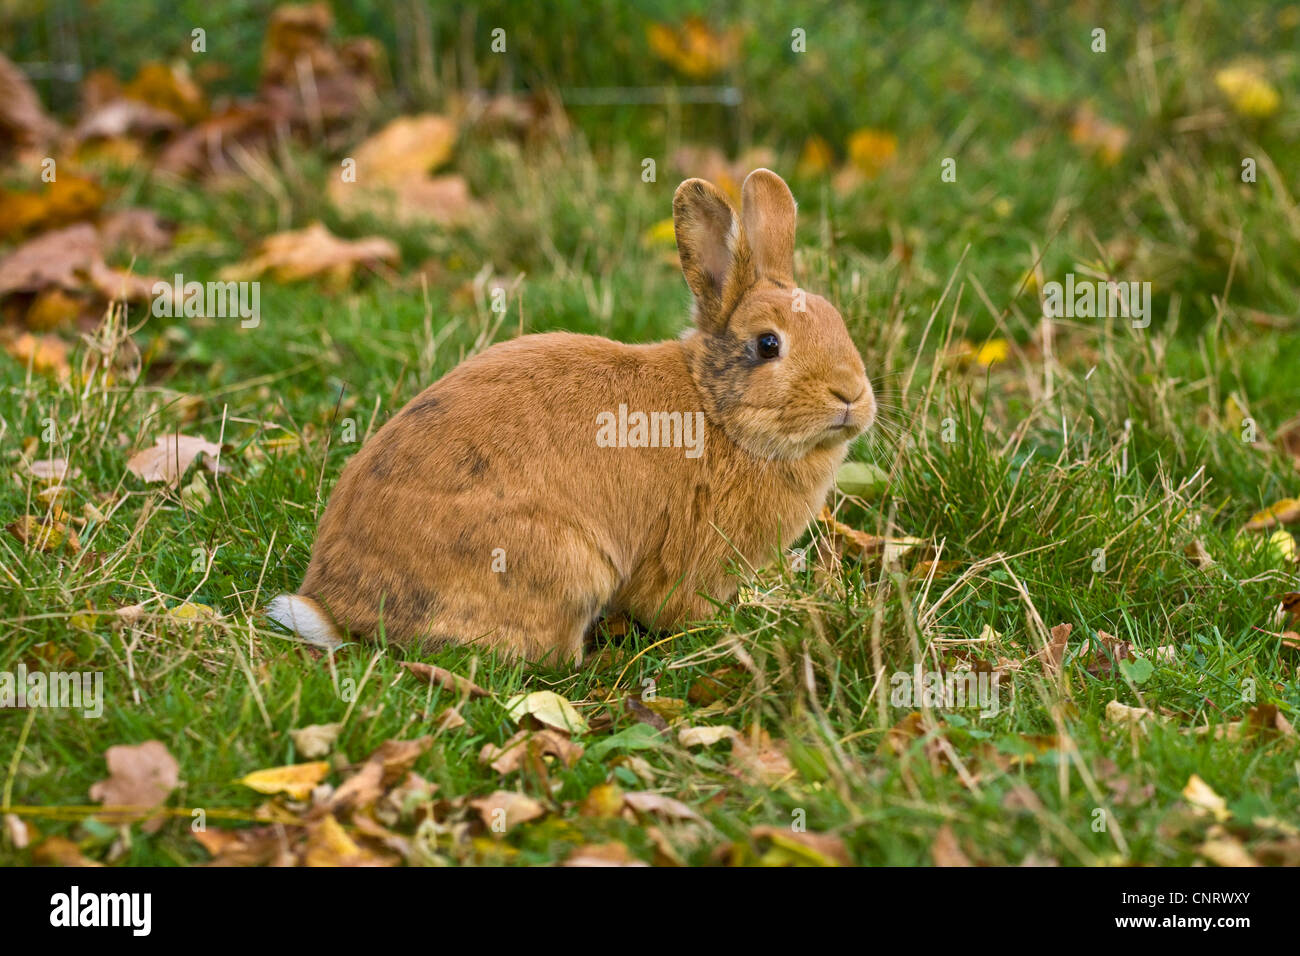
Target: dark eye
769,345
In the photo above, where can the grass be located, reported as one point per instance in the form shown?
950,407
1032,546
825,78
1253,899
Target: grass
1100,437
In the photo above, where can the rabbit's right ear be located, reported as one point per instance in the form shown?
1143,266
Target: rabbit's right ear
706,230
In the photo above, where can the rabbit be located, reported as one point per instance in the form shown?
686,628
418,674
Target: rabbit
518,499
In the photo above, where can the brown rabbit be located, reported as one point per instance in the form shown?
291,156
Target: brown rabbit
555,478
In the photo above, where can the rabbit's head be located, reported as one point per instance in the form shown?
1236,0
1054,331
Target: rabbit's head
774,363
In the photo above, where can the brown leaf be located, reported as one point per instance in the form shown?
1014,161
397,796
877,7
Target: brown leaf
140,776
304,253
504,810
602,854
759,759
328,844
58,851
946,851
315,740
170,457
44,533
660,805
530,744
51,259
445,678
825,845
1053,653
22,118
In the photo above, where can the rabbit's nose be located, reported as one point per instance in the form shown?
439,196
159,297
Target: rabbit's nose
842,393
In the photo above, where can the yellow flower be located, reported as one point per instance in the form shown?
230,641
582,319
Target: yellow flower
871,150
816,158
661,233
1249,93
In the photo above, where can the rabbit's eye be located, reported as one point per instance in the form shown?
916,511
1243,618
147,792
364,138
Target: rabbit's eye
769,345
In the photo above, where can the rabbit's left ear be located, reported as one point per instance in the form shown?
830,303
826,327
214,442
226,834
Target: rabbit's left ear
767,218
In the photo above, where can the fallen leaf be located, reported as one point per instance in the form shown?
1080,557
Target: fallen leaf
313,251
170,457
53,470
1226,850
549,708
1117,713
445,678
946,851
315,740
140,776
328,844
22,118
660,805
504,810
792,848
602,854
44,533
295,780
59,851
704,736
528,743
1204,800
759,759
1285,511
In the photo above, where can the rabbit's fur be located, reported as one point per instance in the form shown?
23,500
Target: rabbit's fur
487,512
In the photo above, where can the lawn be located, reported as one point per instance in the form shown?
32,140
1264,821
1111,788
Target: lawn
1066,508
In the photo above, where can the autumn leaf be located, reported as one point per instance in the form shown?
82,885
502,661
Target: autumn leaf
328,844
170,457
313,251
660,805
44,533
140,776
946,851
758,758
547,707
1204,800
526,744
788,847
315,740
602,854
444,678
504,810
704,736
295,780
1285,511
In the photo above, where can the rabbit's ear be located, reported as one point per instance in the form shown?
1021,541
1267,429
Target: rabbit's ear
705,225
767,218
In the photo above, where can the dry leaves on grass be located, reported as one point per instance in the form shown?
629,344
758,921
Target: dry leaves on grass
781,846
170,457
140,777
759,759
390,174
313,251
45,532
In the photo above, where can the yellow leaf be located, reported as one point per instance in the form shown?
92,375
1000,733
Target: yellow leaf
1201,796
295,780
1285,511
549,708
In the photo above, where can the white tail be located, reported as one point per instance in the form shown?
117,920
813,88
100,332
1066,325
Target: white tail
305,618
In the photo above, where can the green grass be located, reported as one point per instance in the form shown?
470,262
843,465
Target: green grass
1042,471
